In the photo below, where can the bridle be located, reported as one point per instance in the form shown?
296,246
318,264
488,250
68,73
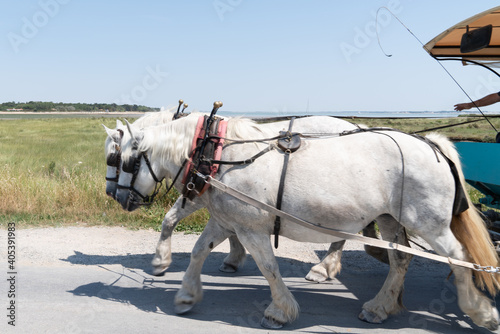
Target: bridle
114,160
132,166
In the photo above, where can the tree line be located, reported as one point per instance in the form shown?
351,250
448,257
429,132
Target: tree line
52,106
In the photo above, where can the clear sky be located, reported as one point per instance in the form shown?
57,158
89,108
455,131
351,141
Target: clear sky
254,55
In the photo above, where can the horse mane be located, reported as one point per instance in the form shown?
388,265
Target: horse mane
170,142
244,128
150,118
154,118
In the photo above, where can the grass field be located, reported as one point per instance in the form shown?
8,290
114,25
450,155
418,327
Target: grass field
53,172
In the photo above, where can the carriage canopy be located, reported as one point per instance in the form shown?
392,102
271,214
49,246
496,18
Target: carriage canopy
476,39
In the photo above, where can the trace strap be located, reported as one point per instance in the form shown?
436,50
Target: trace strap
343,235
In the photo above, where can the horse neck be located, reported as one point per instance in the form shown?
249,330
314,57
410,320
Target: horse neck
170,144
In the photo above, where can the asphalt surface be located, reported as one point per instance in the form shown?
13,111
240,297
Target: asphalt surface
97,280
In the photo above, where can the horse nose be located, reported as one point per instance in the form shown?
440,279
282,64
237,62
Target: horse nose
121,198
111,190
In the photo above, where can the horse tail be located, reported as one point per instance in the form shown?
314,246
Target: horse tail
469,227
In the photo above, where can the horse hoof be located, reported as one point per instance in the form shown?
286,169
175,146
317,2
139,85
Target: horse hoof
315,277
492,325
370,317
159,271
228,268
183,308
270,323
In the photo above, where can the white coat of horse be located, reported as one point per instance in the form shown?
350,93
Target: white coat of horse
328,267
342,183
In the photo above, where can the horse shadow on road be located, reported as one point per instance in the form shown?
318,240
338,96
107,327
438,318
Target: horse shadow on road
239,299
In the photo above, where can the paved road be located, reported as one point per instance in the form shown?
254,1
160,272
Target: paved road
97,280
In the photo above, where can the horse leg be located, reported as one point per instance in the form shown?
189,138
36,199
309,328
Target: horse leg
470,300
329,265
389,299
163,255
375,252
191,291
283,307
236,256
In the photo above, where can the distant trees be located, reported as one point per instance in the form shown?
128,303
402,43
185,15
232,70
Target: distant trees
51,106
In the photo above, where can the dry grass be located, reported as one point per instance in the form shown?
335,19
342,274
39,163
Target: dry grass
53,174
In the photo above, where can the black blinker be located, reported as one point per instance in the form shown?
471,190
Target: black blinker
113,159
129,166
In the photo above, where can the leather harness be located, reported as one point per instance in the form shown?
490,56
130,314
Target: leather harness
204,145
289,144
208,145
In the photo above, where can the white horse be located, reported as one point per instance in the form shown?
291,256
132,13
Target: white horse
330,264
112,148
341,183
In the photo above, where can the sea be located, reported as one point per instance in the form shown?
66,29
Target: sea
358,114
259,114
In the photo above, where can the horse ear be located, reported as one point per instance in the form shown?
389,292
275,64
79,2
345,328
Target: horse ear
113,134
134,132
119,124
129,127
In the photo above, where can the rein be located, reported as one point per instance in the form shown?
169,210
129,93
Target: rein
286,136
240,162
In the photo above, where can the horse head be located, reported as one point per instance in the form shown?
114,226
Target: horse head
112,152
137,176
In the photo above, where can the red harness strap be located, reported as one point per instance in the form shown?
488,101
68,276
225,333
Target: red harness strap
219,143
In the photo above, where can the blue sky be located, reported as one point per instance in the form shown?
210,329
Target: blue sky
276,56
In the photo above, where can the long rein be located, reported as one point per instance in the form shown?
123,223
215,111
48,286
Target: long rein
267,149
246,161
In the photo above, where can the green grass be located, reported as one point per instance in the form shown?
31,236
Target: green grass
53,173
